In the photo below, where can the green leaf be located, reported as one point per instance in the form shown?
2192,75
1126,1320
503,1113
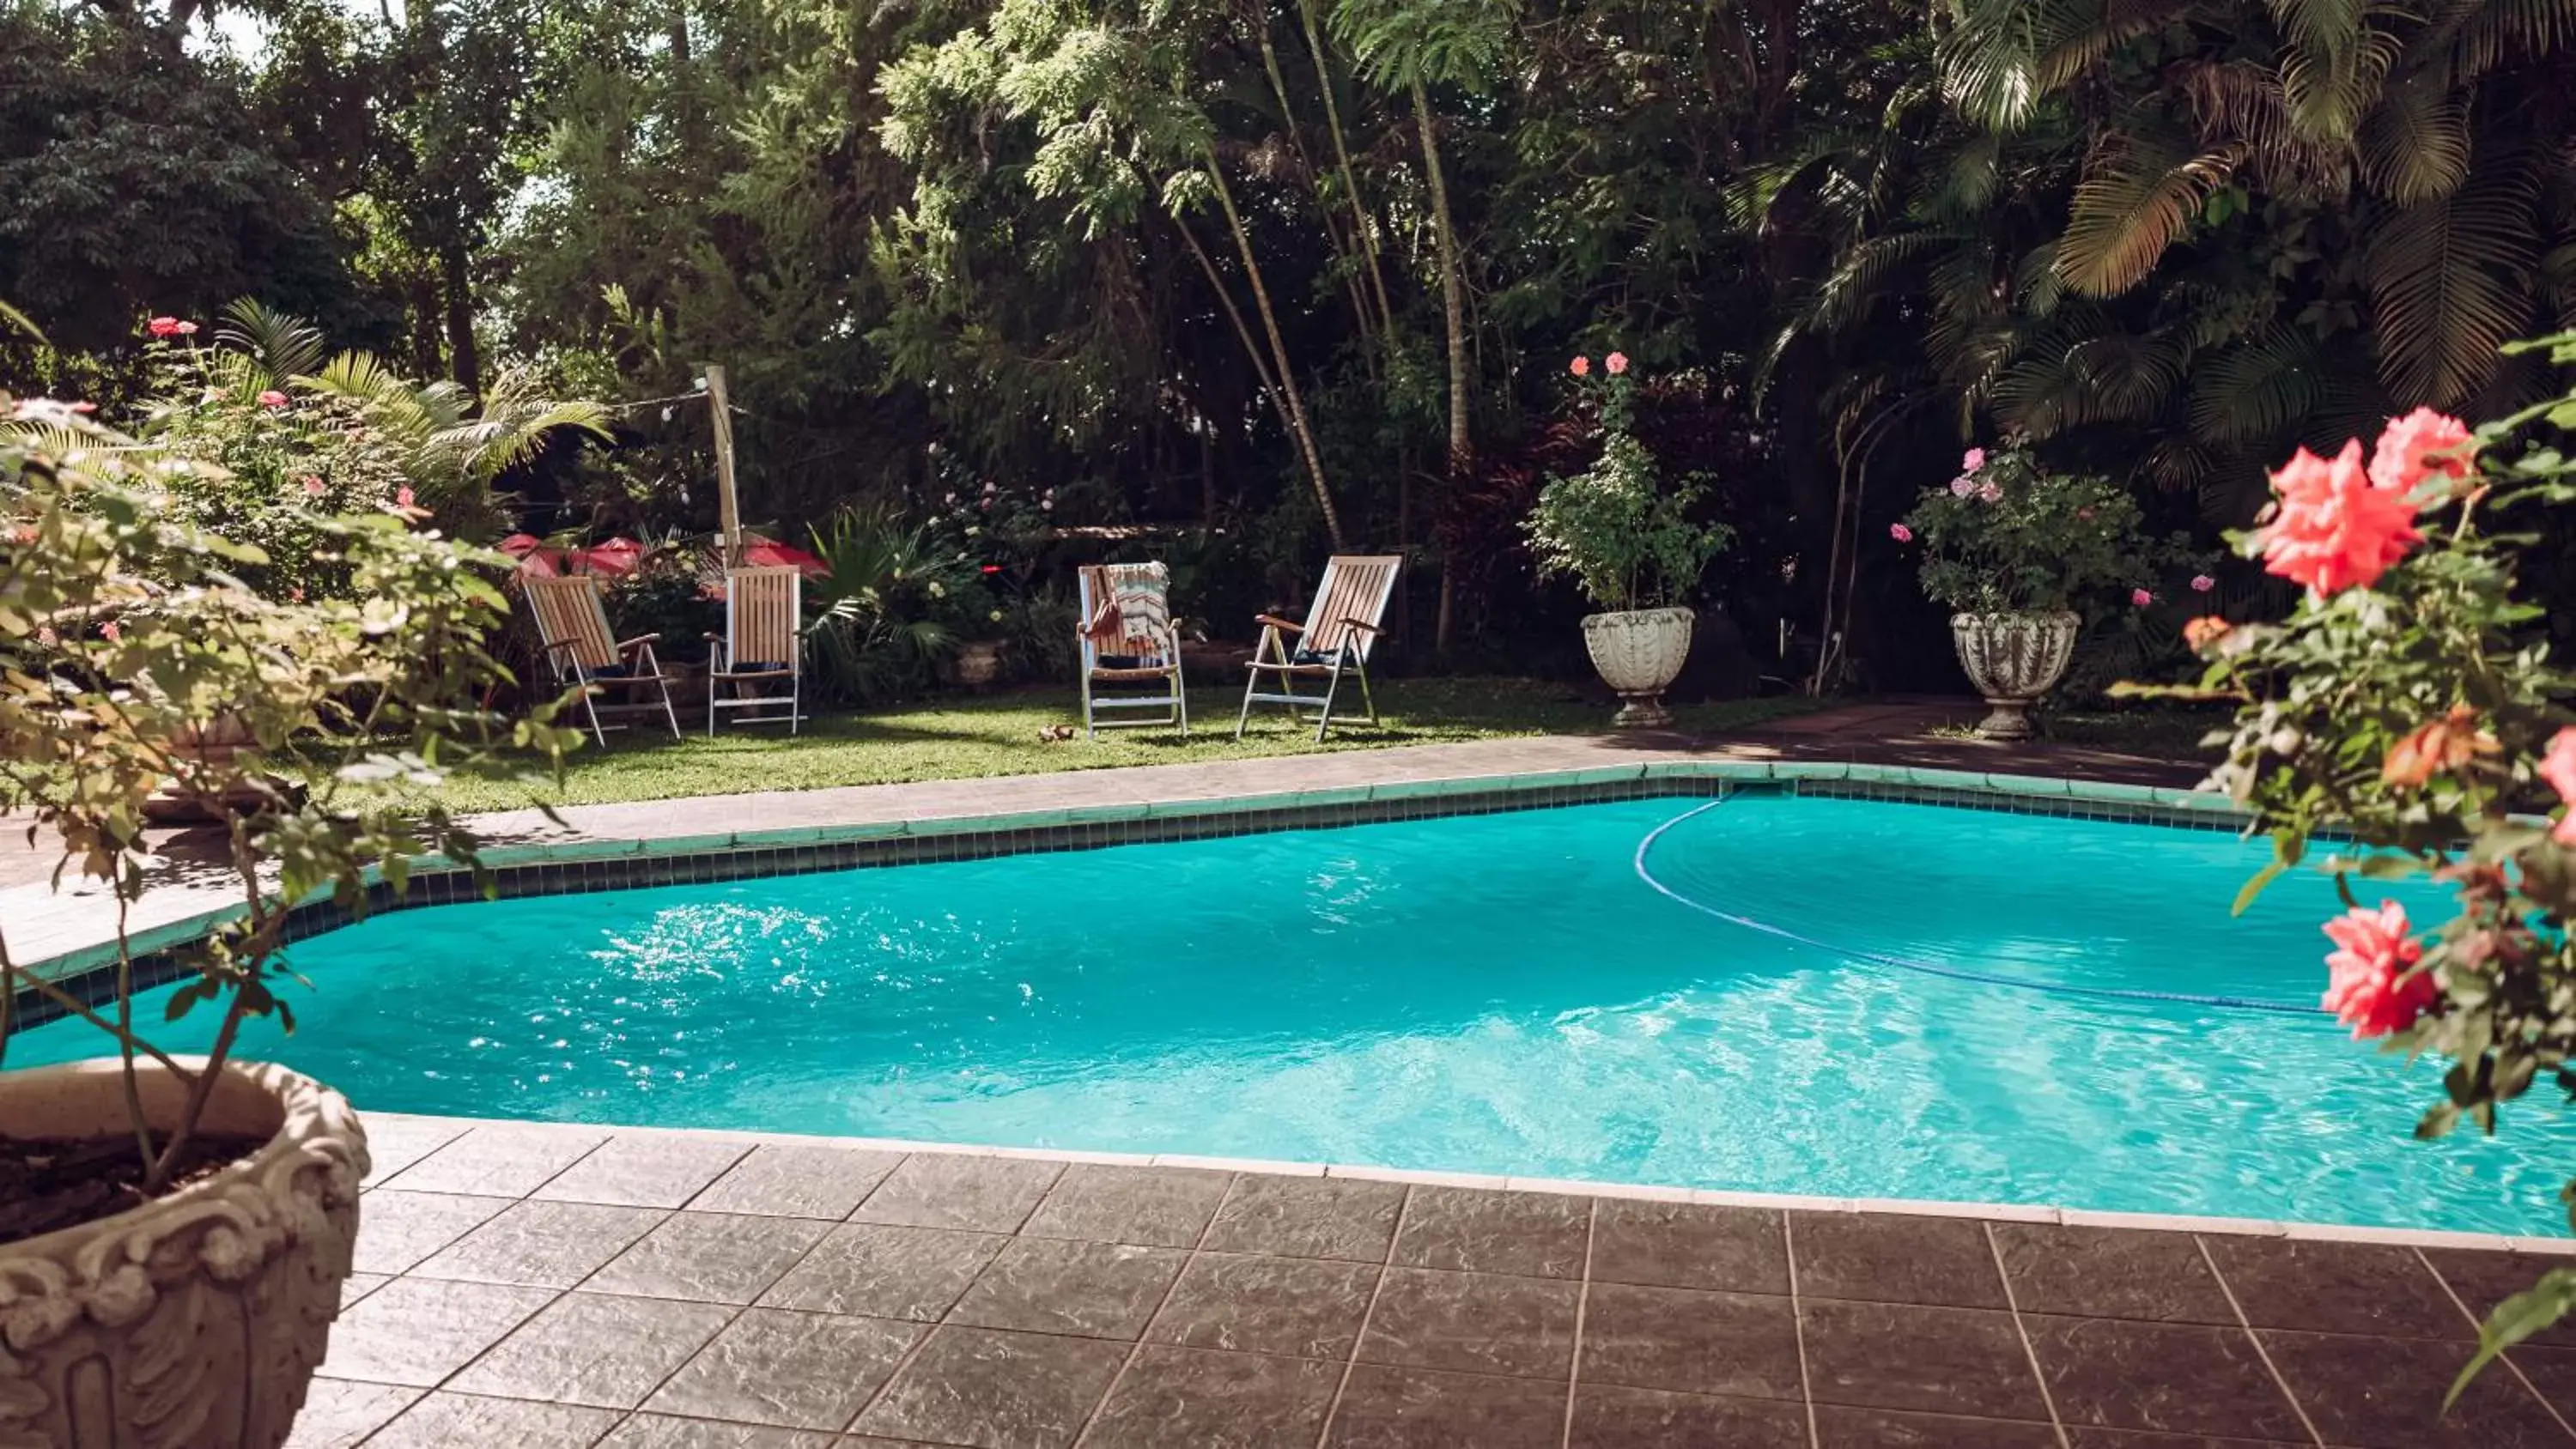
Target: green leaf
2516,1319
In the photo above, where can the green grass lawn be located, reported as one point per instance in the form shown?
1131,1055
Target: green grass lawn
1000,735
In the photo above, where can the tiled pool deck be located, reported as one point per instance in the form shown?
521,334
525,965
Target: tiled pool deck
552,1287
538,1285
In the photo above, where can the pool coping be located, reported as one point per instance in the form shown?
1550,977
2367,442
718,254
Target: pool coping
2040,1215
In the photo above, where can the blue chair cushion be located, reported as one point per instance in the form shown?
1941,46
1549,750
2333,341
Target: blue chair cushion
611,671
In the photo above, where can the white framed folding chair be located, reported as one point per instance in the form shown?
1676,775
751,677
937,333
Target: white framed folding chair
1128,638
758,662
1341,627
572,629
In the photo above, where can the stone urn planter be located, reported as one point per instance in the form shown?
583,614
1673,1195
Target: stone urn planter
194,1321
2013,659
211,746
978,664
1639,651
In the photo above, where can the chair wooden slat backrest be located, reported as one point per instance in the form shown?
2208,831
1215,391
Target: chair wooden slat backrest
761,617
571,621
1142,630
1356,589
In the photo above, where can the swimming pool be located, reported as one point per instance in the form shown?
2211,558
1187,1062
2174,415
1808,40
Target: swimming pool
1892,1000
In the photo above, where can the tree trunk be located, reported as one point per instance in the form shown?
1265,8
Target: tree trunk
1368,322
464,363
1453,308
1280,364
1342,158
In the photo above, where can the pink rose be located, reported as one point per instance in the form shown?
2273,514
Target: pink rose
110,632
46,636
186,329
295,593
2084,513
22,533
2417,446
2141,597
1990,491
2334,527
272,399
2202,583
2374,988
1616,363
986,505
2558,767
163,326
84,408
312,486
1962,487
1580,367
402,497
1900,533
1971,460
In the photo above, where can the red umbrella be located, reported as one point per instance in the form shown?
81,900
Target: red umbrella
762,553
617,556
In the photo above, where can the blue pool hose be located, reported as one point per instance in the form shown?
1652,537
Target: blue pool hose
1952,973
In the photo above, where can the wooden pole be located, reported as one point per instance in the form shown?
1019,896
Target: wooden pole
728,506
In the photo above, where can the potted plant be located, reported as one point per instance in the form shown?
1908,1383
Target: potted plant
2018,552
1632,548
171,1267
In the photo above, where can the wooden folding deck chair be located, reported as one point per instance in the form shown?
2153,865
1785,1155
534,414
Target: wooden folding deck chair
572,627
761,649
1341,626
1128,638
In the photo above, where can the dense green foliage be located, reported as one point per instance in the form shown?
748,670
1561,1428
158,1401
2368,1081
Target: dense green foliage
1302,271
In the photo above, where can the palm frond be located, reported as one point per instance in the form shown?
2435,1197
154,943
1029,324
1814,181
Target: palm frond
2135,201
2257,390
280,345
2415,143
2451,282
11,317
2329,65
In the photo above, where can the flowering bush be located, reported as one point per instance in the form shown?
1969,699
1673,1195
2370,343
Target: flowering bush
1628,541
2410,701
2008,536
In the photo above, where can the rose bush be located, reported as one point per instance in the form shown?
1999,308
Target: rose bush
2008,536
1626,537
2409,704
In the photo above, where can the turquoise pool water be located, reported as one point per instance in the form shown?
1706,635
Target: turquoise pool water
1498,993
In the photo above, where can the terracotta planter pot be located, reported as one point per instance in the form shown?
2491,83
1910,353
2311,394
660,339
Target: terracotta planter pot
2013,659
194,1322
1639,651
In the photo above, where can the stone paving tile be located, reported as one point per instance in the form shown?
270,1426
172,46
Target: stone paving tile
2366,1288
940,1190
2080,1438
1157,1207
796,1370
1096,1290
1526,1234
395,1143
2482,1280
662,1431
399,1230
359,1285
710,1257
338,1413
1181,1398
885,1272
1966,1361
2186,1378
1611,1417
1299,1307
1473,1323
2386,1393
797,1182
500,1160
1842,1428
541,1244
645,1170
1384,1407
1895,1258
1307,1217
418,1331
1683,1245
1689,1340
2111,1273
592,1348
996,1390
447,1421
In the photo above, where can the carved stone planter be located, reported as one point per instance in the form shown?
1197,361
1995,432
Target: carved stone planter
2013,659
193,1322
1639,651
